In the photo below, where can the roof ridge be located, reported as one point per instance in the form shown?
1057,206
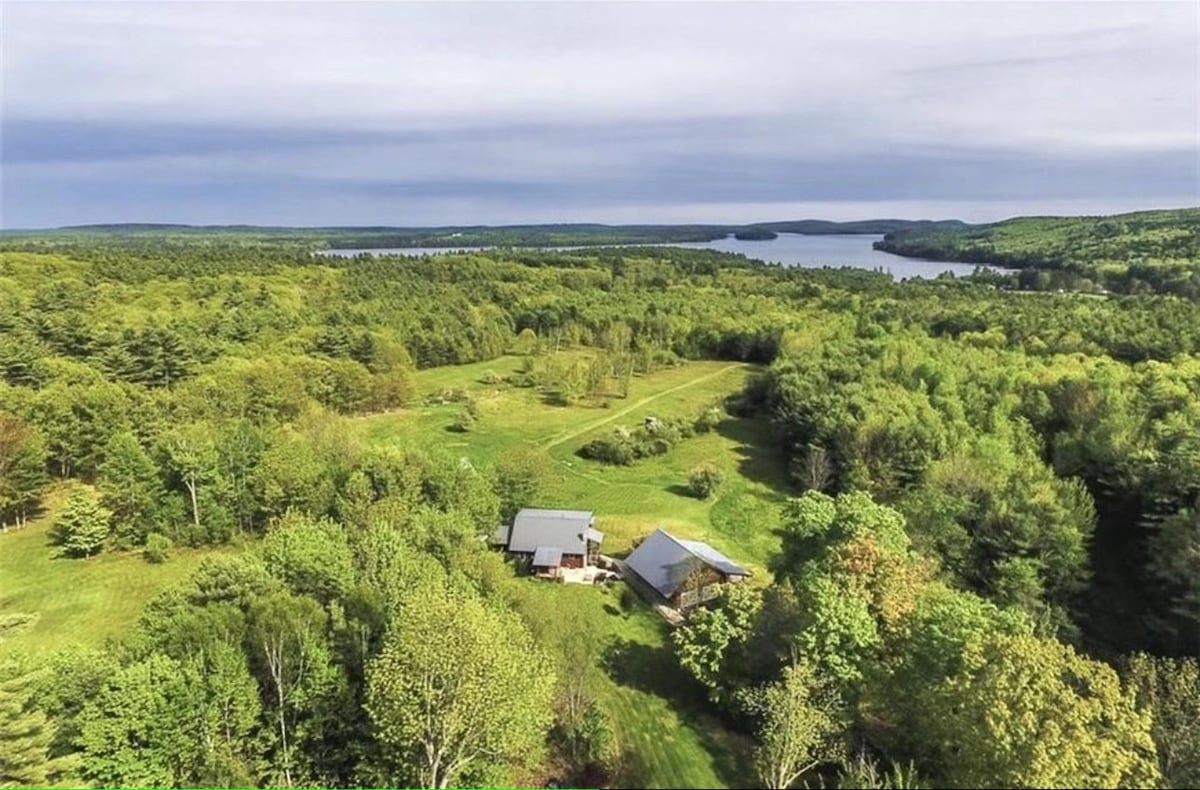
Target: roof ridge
682,543
679,542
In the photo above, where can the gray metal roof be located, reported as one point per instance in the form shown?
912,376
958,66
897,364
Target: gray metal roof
664,562
714,558
566,530
547,557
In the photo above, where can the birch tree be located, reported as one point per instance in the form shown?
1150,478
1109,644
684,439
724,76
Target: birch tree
192,456
460,692
800,730
287,636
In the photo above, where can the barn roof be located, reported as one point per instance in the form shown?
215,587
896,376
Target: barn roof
665,562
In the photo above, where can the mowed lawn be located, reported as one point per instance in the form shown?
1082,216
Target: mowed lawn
52,602
629,501
664,729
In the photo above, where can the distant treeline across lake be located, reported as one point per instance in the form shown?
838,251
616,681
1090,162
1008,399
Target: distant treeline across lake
789,249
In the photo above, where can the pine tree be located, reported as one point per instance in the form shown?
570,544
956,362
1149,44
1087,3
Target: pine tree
22,470
25,733
131,488
83,526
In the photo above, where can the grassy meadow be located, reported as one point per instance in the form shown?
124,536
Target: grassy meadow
629,501
667,735
48,602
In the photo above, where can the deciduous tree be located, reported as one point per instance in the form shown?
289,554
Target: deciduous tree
459,692
801,728
1030,712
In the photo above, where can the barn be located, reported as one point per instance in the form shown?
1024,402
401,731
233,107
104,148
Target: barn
683,572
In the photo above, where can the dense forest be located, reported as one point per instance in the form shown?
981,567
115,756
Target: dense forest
1143,252
986,565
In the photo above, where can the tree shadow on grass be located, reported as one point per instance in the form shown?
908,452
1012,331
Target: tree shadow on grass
654,670
759,457
678,489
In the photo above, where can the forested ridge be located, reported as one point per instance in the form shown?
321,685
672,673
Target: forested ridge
1141,252
985,570
574,234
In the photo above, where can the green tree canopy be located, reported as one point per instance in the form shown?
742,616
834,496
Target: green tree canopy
459,691
1030,712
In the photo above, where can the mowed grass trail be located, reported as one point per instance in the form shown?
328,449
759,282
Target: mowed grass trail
641,404
61,601
629,501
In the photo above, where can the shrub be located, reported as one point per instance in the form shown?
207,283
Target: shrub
587,739
527,374
614,449
465,421
704,480
447,395
157,548
491,377
709,419
624,446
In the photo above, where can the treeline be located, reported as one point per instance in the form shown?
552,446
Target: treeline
997,456
860,665
1144,252
381,237
193,364
983,522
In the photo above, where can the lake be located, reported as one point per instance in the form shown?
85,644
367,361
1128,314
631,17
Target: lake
789,249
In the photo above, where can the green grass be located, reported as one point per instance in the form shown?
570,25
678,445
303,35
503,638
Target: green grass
664,729
628,501
75,601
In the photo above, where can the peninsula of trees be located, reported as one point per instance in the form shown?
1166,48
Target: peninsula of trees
1142,252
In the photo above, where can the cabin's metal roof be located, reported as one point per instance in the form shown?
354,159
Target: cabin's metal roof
566,530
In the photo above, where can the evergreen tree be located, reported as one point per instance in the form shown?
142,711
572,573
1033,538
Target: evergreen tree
82,527
131,488
25,732
22,470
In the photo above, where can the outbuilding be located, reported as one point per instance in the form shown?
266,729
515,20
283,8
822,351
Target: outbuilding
683,572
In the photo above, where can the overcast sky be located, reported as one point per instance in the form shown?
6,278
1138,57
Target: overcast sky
463,113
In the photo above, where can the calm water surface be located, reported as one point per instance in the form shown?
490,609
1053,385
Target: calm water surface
789,249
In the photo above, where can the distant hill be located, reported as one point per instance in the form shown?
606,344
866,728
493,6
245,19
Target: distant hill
1130,253
548,235
821,227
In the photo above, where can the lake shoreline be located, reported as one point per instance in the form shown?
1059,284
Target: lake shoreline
804,250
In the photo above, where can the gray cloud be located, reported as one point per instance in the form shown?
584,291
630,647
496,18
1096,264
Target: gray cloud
457,113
